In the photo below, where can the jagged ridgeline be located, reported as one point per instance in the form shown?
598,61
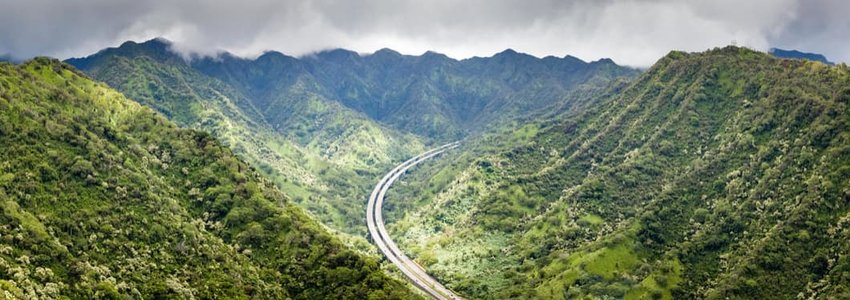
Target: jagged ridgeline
327,126
723,174
101,197
431,95
323,154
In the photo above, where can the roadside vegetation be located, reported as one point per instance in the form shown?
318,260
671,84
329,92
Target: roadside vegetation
721,174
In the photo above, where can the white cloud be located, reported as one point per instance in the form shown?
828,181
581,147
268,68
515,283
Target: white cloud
632,32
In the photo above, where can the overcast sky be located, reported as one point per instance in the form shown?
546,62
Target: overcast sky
632,32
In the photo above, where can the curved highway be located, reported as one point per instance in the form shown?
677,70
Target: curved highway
375,221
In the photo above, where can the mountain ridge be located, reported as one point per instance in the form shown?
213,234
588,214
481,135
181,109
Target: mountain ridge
292,153
102,197
161,43
719,174
338,108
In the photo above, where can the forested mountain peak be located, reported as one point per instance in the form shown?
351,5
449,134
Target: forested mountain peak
272,55
709,175
158,48
719,174
292,142
512,54
431,95
338,55
435,54
391,150
386,52
606,61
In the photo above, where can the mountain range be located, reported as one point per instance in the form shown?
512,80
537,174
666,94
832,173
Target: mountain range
430,95
138,172
715,175
103,198
324,126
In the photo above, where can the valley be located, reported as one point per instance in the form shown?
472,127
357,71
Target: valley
711,175
314,125
144,171
102,197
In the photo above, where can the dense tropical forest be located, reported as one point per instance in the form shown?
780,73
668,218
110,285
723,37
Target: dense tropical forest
325,127
717,175
102,198
424,149
325,158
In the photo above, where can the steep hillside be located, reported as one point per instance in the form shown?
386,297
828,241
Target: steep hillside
714,175
326,156
430,95
101,197
327,126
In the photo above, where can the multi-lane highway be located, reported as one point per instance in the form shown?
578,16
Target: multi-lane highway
375,221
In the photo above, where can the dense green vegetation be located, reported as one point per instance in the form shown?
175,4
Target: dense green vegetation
714,175
430,95
101,197
327,126
326,156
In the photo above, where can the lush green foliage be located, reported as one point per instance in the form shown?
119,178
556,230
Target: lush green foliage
325,127
101,197
722,174
715,175
324,155
430,95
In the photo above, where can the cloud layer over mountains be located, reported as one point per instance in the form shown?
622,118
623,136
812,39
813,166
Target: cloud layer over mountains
632,32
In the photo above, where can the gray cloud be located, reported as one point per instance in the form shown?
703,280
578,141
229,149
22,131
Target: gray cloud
633,32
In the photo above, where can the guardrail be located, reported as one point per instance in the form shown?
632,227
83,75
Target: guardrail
374,220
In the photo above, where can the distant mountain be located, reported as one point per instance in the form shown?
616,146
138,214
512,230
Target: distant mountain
158,49
8,58
322,152
715,175
794,54
430,95
327,124
102,198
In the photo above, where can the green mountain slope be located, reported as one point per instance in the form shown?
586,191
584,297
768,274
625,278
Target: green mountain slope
324,154
327,126
715,175
101,197
430,95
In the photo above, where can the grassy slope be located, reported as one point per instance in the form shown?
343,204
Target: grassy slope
720,174
325,154
101,197
308,123
433,95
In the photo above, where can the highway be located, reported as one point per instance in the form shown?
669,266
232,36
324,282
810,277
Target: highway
375,221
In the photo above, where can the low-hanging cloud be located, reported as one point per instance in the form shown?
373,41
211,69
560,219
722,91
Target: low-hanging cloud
632,32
